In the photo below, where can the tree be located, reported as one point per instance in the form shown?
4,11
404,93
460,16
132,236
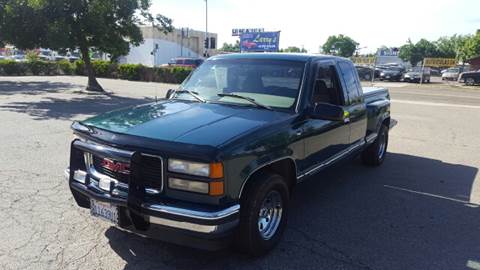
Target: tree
340,45
231,47
109,26
415,53
293,49
471,47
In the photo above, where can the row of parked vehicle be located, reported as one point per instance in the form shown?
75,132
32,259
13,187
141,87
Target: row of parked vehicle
393,72
396,72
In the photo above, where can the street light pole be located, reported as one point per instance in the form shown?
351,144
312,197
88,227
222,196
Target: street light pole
206,28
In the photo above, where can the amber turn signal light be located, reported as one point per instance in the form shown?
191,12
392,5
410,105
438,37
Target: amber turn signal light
216,170
216,188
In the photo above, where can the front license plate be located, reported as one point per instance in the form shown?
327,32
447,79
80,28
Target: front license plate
103,210
388,77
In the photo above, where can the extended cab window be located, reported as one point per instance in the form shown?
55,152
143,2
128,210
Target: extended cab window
350,78
326,86
274,83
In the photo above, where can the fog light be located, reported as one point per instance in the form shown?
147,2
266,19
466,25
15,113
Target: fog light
79,176
187,185
105,183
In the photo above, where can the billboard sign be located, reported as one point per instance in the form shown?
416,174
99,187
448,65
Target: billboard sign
260,42
360,60
439,62
236,32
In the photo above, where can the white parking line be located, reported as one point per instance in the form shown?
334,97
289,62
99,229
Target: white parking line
437,104
432,195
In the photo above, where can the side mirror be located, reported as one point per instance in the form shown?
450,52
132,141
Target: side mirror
169,93
327,111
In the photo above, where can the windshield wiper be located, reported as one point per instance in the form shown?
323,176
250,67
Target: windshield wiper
192,93
245,98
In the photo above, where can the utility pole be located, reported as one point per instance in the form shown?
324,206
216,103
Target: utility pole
207,42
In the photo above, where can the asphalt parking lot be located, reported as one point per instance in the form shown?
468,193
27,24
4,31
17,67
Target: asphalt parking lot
420,210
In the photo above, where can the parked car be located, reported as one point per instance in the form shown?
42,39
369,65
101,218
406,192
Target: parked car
451,74
470,78
392,74
415,75
185,62
2,57
19,58
219,157
365,73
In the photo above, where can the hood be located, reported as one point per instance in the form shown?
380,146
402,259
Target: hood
185,121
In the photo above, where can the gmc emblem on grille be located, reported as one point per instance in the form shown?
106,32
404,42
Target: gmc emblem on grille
116,166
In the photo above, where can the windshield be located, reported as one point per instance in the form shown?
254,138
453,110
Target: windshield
273,83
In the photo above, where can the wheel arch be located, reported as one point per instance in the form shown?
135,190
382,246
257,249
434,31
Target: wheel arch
285,167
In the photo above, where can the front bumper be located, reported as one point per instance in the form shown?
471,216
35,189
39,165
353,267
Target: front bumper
177,222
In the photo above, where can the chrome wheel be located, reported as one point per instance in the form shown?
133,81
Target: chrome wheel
270,215
382,145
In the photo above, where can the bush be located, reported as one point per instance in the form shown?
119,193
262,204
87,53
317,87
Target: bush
172,74
41,67
103,68
79,67
10,67
130,72
66,67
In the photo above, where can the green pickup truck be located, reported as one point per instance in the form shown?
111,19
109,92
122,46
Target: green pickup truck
215,162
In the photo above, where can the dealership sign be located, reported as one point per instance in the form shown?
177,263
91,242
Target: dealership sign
360,60
240,31
260,42
439,62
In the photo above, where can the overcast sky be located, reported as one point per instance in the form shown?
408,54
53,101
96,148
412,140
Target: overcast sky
308,23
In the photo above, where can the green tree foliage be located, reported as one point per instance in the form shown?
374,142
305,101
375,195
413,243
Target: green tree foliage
231,47
414,53
340,45
452,47
293,49
109,26
471,46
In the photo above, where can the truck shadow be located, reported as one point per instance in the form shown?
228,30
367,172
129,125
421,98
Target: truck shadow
411,213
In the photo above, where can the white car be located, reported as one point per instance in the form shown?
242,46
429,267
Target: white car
451,74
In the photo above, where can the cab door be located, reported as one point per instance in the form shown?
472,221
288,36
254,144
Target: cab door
355,104
324,138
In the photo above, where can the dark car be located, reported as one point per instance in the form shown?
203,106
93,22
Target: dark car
185,62
470,78
217,160
391,74
415,75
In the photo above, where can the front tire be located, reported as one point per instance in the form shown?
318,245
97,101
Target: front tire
263,214
374,154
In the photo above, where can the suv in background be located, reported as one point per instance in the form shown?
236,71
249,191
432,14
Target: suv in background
185,62
392,74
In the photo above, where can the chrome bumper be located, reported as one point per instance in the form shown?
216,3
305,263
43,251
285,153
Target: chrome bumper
208,222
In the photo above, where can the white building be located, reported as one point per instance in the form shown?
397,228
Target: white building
159,48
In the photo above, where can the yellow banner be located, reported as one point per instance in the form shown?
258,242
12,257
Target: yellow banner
439,62
363,60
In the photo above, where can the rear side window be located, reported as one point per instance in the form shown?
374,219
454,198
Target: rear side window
350,78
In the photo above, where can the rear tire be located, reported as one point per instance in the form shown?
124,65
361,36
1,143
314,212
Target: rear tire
263,214
374,154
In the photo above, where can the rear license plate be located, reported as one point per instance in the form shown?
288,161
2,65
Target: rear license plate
103,210
388,77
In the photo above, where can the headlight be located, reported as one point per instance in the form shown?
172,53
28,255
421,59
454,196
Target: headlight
187,185
212,170
211,188
407,76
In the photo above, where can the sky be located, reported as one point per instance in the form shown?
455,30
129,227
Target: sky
307,23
